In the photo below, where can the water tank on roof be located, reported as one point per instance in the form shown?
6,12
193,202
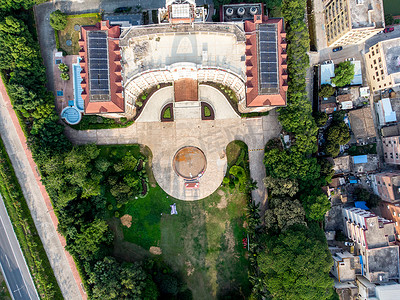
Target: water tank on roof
229,11
253,10
241,11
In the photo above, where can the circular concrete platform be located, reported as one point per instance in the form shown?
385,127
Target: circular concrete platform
189,162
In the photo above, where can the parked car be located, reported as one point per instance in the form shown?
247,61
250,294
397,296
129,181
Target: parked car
120,10
327,62
388,29
340,48
348,243
350,59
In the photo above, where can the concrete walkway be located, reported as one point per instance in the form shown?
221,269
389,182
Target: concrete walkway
212,137
222,108
152,111
38,201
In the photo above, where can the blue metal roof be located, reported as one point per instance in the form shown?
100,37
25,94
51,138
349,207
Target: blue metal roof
361,204
360,159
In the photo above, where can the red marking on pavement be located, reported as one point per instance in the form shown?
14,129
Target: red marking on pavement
43,191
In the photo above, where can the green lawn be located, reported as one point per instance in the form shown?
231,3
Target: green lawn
203,243
69,33
391,7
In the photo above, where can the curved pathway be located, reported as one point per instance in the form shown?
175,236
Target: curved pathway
164,139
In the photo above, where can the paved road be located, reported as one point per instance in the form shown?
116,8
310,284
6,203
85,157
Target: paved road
382,37
13,265
36,202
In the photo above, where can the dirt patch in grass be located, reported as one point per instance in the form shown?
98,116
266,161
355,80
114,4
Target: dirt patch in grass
69,33
126,220
223,203
155,250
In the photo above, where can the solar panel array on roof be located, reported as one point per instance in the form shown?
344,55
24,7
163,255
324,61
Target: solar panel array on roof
268,60
98,66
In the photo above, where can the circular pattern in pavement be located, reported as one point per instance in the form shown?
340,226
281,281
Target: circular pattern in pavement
77,27
68,42
189,162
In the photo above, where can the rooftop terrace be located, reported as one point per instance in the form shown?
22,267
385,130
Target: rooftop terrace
157,47
391,50
365,13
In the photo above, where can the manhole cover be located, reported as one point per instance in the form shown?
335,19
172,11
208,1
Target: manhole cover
189,162
69,43
77,27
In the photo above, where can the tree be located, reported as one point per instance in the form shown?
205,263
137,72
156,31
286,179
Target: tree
320,118
87,243
326,90
296,265
283,213
64,76
361,194
337,134
63,68
58,20
113,280
315,204
344,74
281,187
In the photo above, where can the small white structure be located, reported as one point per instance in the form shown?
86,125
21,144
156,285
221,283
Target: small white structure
364,92
173,209
385,112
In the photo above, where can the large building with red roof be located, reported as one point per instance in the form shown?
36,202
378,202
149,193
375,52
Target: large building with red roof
101,69
120,64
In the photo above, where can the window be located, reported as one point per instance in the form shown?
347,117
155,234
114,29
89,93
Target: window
376,68
379,59
374,61
373,77
373,53
370,56
377,50
381,72
377,73
394,213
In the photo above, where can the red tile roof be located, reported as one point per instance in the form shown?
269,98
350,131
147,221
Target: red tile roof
254,96
116,103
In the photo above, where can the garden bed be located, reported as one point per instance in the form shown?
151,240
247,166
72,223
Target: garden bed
207,112
145,96
97,122
167,113
70,32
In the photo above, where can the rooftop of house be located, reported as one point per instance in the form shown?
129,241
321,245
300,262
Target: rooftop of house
342,164
362,123
265,56
366,13
383,260
391,50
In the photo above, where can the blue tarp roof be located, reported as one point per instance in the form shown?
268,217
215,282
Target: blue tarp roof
360,159
353,181
361,204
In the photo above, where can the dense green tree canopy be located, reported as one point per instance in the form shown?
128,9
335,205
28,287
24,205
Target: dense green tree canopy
283,213
344,74
326,90
113,280
58,20
296,265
